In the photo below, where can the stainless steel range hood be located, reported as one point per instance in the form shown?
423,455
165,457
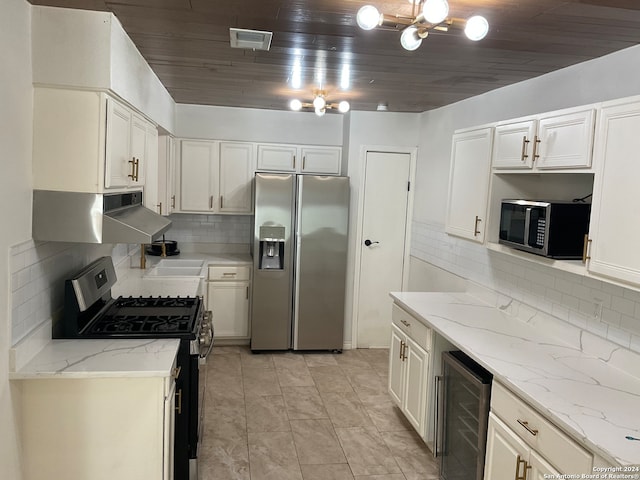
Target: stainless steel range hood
94,218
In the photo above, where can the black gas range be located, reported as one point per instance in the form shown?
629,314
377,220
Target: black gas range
91,312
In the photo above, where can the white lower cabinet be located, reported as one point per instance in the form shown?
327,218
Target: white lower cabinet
409,367
521,444
228,300
98,428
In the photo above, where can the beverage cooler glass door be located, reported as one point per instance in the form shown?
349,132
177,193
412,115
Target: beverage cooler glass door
463,417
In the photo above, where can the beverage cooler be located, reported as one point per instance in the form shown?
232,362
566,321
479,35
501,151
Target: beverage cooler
463,395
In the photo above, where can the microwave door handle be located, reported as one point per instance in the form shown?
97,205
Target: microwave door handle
527,225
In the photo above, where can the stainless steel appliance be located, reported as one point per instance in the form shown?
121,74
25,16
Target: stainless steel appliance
300,256
463,415
95,217
91,312
551,229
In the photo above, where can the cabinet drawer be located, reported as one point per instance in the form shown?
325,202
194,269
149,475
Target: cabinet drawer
418,331
230,273
558,448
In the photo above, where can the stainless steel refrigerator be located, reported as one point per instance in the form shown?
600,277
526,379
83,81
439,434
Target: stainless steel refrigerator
299,262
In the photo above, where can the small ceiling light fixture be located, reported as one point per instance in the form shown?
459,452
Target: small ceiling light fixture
319,104
426,16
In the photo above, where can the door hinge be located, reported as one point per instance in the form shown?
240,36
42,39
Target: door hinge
408,186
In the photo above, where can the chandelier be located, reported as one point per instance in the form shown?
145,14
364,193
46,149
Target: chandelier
319,104
426,15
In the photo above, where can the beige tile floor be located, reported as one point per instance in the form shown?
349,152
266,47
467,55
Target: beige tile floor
318,416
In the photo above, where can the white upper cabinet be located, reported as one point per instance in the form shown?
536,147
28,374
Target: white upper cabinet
87,141
551,141
299,159
615,218
237,166
321,160
216,177
513,145
199,163
469,183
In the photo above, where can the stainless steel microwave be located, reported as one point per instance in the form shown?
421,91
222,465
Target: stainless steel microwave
552,229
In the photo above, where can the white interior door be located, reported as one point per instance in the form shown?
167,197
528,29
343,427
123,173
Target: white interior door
384,222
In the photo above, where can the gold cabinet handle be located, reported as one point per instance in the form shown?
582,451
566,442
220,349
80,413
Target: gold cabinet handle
536,143
401,348
173,201
405,323
159,206
211,202
404,352
179,401
132,175
476,232
221,201
137,166
247,295
526,426
294,162
304,161
585,248
524,148
526,467
229,274
175,373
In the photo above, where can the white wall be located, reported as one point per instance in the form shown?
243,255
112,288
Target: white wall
567,296
255,125
16,94
87,49
369,129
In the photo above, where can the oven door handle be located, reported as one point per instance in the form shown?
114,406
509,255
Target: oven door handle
208,320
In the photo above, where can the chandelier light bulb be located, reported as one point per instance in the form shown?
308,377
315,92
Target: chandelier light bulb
343,106
410,39
435,11
319,103
368,17
320,111
295,105
477,28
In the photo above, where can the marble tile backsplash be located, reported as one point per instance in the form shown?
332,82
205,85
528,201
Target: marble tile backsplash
38,272
601,308
188,228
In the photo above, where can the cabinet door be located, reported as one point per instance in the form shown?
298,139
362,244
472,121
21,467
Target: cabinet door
542,470
469,184
505,453
416,365
513,145
169,432
138,150
278,158
198,188
119,165
565,141
229,303
396,365
615,219
236,174
321,160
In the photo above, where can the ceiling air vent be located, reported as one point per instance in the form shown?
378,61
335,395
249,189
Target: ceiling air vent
255,39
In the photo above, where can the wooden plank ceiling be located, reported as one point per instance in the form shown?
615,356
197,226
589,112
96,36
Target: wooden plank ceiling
186,42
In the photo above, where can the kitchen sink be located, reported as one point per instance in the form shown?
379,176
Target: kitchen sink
174,263
176,268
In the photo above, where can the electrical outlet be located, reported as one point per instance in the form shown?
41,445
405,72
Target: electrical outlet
597,309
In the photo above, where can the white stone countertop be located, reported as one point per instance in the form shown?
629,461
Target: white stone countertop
582,393
134,281
101,359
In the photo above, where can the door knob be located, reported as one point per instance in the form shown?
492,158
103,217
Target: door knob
368,242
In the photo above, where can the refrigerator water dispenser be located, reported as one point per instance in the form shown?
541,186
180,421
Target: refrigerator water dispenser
271,247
